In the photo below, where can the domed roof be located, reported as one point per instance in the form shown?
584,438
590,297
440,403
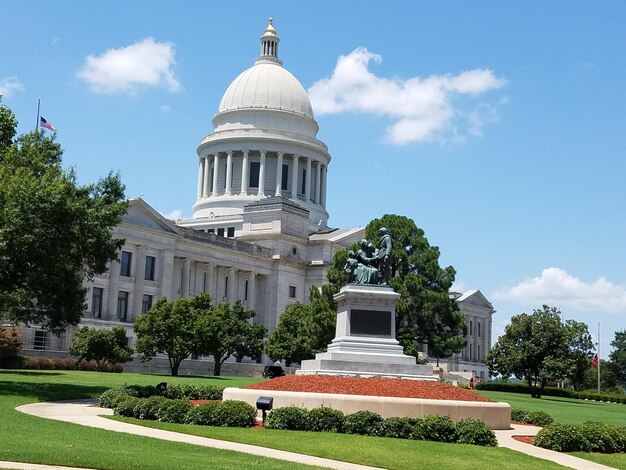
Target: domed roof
267,85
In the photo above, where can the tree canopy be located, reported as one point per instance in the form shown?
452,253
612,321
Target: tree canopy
541,347
102,345
54,233
618,357
288,340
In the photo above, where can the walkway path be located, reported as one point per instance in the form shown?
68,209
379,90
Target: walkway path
79,412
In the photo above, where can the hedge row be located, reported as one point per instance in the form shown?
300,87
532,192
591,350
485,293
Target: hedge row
498,386
45,363
590,436
431,428
538,418
160,408
111,397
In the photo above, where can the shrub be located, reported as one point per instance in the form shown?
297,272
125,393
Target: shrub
118,367
401,428
562,438
89,366
110,398
604,438
325,419
173,411
126,406
474,431
179,391
45,363
538,418
147,407
289,417
438,428
209,392
204,415
13,362
233,413
32,363
363,422
141,391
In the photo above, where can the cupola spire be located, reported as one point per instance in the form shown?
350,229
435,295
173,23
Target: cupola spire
269,44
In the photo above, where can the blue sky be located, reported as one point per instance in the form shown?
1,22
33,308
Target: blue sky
497,126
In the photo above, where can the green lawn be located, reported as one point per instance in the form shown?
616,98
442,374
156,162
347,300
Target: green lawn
610,460
564,410
30,439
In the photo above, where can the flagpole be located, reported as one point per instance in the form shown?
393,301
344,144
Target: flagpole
38,106
598,357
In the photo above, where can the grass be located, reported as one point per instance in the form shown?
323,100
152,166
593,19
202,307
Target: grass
30,439
564,410
396,454
25,438
610,460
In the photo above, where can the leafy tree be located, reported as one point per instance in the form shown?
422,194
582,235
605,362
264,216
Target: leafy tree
53,232
226,330
288,339
618,356
541,347
10,341
171,327
103,345
608,380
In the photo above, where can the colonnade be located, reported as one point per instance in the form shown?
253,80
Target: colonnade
311,189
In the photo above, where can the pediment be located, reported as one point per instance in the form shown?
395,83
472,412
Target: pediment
475,297
141,214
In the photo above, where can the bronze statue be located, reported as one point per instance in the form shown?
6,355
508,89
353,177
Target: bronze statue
371,266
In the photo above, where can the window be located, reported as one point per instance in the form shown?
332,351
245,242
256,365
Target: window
122,305
478,353
292,292
479,329
471,331
220,232
285,177
150,264
225,286
230,232
211,179
204,281
146,303
125,263
253,180
471,347
41,338
303,189
210,230
96,302
245,292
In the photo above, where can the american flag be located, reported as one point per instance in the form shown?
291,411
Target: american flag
46,124
594,361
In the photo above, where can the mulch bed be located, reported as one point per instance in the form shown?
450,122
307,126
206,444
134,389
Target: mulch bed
202,402
380,387
524,439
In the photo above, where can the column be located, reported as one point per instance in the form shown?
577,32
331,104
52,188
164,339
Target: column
229,172
166,273
279,175
307,185
205,189
294,178
216,167
251,304
262,174
200,176
185,281
232,280
140,274
114,275
324,185
244,174
318,177
210,279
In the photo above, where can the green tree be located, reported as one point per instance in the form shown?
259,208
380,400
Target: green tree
171,327
103,345
54,233
541,347
227,330
288,340
618,356
608,379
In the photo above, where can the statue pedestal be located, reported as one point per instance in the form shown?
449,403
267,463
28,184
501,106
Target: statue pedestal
365,342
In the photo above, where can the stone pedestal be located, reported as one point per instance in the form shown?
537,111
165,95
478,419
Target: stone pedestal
365,342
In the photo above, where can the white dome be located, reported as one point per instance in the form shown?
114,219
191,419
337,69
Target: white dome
267,85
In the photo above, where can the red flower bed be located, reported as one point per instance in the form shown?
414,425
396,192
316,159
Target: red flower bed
369,386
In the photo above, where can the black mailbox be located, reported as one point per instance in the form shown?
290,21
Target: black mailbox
264,404
162,387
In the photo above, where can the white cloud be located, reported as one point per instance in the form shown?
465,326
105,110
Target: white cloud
557,288
173,215
421,108
10,85
165,108
459,286
146,63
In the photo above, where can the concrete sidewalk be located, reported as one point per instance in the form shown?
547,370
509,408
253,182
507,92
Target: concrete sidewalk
79,412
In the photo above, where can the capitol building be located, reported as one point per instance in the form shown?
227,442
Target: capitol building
259,229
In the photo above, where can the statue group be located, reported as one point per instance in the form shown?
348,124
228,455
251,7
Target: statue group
370,265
